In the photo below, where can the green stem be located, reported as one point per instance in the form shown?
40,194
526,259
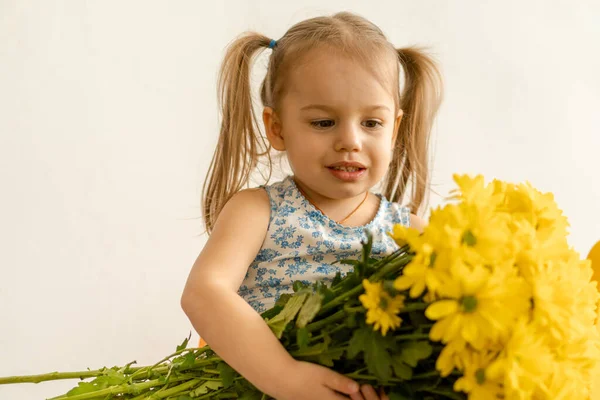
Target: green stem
354,310
94,373
202,350
341,298
211,371
161,394
411,336
51,376
119,389
425,375
400,252
383,271
358,375
322,335
218,394
338,316
391,267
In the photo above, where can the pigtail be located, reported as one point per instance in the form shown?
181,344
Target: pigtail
420,101
240,145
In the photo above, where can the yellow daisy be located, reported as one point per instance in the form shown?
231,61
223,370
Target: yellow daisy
525,362
539,209
451,357
481,306
475,380
564,298
474,192
382,309
428,269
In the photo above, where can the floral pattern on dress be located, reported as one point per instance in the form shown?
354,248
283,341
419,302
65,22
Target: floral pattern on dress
303,244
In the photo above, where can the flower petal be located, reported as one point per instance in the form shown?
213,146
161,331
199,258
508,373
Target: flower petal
441,308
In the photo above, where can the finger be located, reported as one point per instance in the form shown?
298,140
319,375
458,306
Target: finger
357,396
382,395
341,383
369,392
337,396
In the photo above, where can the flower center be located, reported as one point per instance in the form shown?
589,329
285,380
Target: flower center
432,258
469,239
480,376
469,303
383,303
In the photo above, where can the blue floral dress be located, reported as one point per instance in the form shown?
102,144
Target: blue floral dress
302,243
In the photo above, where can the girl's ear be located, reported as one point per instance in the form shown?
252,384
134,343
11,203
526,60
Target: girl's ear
397,125
273,128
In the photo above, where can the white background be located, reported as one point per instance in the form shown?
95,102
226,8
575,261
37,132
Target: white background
108,120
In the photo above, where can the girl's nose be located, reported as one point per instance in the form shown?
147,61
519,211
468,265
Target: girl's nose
348,139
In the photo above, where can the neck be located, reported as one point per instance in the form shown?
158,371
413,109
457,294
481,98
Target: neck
340,217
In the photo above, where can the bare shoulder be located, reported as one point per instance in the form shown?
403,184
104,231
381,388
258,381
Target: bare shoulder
417,222
255,199
236,239
247,211
245,215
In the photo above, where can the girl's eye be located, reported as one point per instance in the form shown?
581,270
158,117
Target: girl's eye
323,123
372,123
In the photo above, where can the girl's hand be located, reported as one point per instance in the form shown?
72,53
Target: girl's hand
308,381
368,393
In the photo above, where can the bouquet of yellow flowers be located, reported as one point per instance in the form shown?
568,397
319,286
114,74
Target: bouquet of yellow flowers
488,302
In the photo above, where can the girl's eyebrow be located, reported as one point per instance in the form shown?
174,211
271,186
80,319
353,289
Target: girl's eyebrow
330,109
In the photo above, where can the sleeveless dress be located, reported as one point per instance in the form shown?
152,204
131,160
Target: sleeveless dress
302,243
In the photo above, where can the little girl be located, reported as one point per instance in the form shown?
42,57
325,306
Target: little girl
332,102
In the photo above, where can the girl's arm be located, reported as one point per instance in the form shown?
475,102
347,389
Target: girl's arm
417,222
233,329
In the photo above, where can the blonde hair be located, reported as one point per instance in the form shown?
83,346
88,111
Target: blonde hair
241,146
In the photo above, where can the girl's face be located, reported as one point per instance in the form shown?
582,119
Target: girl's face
334,110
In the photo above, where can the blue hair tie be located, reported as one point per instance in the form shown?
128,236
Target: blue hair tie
273,43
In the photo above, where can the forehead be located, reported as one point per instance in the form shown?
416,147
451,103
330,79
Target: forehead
326,76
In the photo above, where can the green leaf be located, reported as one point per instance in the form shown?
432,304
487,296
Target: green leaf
227,374
327,294
326,358
271,312
284,298
352,280
289,312
358,341
184,397
309,310
184,344
188,360
413,352
205,387
298,285
111,378
82,388
377,358
337,278
401,370
302,338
